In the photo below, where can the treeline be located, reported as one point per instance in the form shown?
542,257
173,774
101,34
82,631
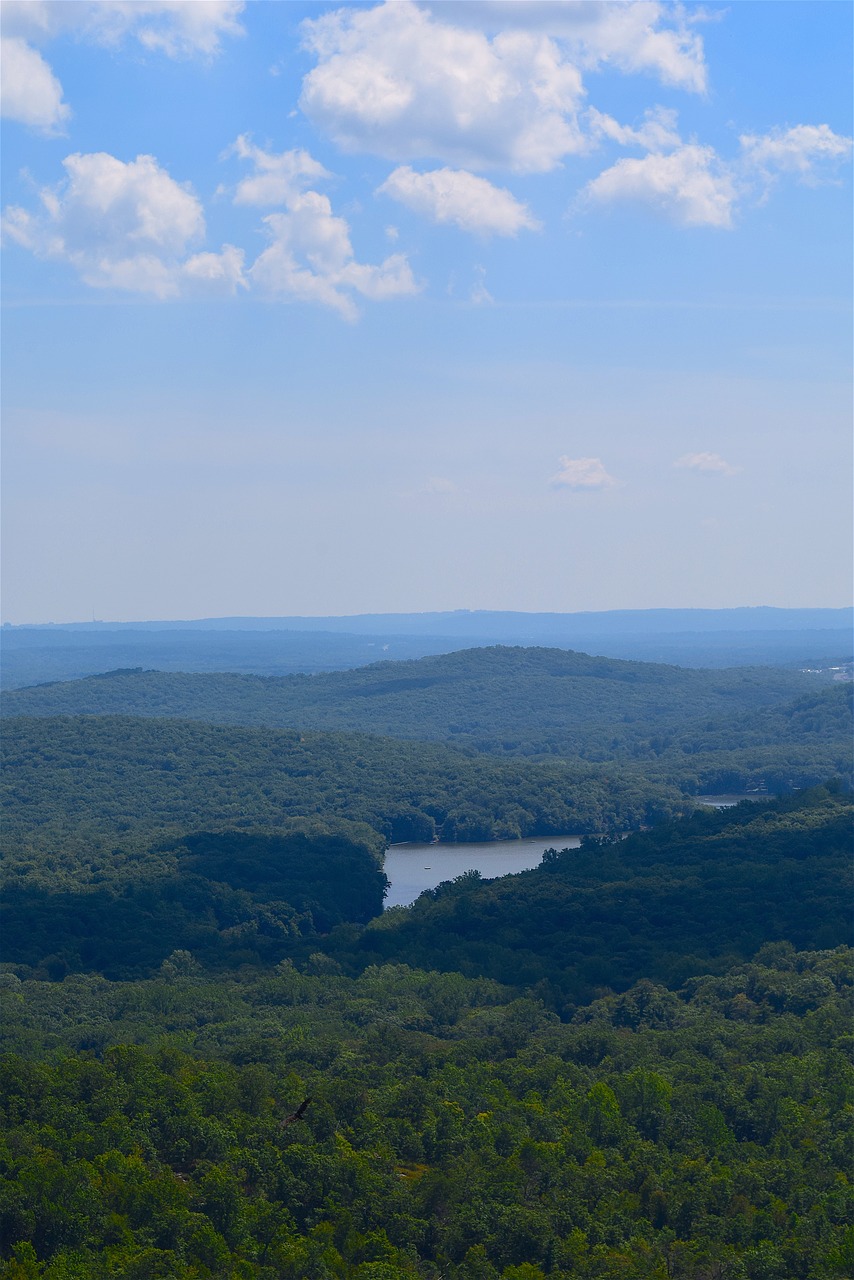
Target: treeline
222,1061
309,1126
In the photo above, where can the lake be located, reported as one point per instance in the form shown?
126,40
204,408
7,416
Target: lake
412,868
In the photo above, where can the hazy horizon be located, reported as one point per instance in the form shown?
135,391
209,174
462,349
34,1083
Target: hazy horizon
771,614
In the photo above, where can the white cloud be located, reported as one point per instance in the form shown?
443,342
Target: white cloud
278,176
401,83
658,131
460,198
806,150
178,28
123,225
310,258
691,185
29,91
216,272
634,36
582,474
709,463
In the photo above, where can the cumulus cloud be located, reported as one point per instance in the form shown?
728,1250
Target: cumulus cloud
278,176
709,463
808,151
487,85
178,28
310,258
132,226
460,198
29,91
123,225
215,272
632,35
657,132
400,82
690,185
582,474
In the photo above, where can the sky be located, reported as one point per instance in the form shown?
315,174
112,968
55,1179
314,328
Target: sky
311,309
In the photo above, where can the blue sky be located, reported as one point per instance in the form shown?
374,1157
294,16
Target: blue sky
321,309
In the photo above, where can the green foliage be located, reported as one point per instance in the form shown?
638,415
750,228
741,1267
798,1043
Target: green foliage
233,898
224,1064
685,897
87,793
514,701
453,1129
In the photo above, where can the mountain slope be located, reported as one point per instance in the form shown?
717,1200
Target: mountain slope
496,699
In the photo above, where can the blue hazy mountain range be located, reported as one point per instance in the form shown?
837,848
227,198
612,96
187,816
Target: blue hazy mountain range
283,645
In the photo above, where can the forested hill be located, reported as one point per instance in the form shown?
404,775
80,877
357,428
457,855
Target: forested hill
82,795
518,700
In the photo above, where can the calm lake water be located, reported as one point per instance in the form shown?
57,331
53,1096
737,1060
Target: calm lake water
412,868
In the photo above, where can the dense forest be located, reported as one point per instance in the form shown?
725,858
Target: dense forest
222,1060
497,699
664,904
91,790
668,729
329,1116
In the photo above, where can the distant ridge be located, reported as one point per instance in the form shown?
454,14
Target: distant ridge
502,623
760,636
